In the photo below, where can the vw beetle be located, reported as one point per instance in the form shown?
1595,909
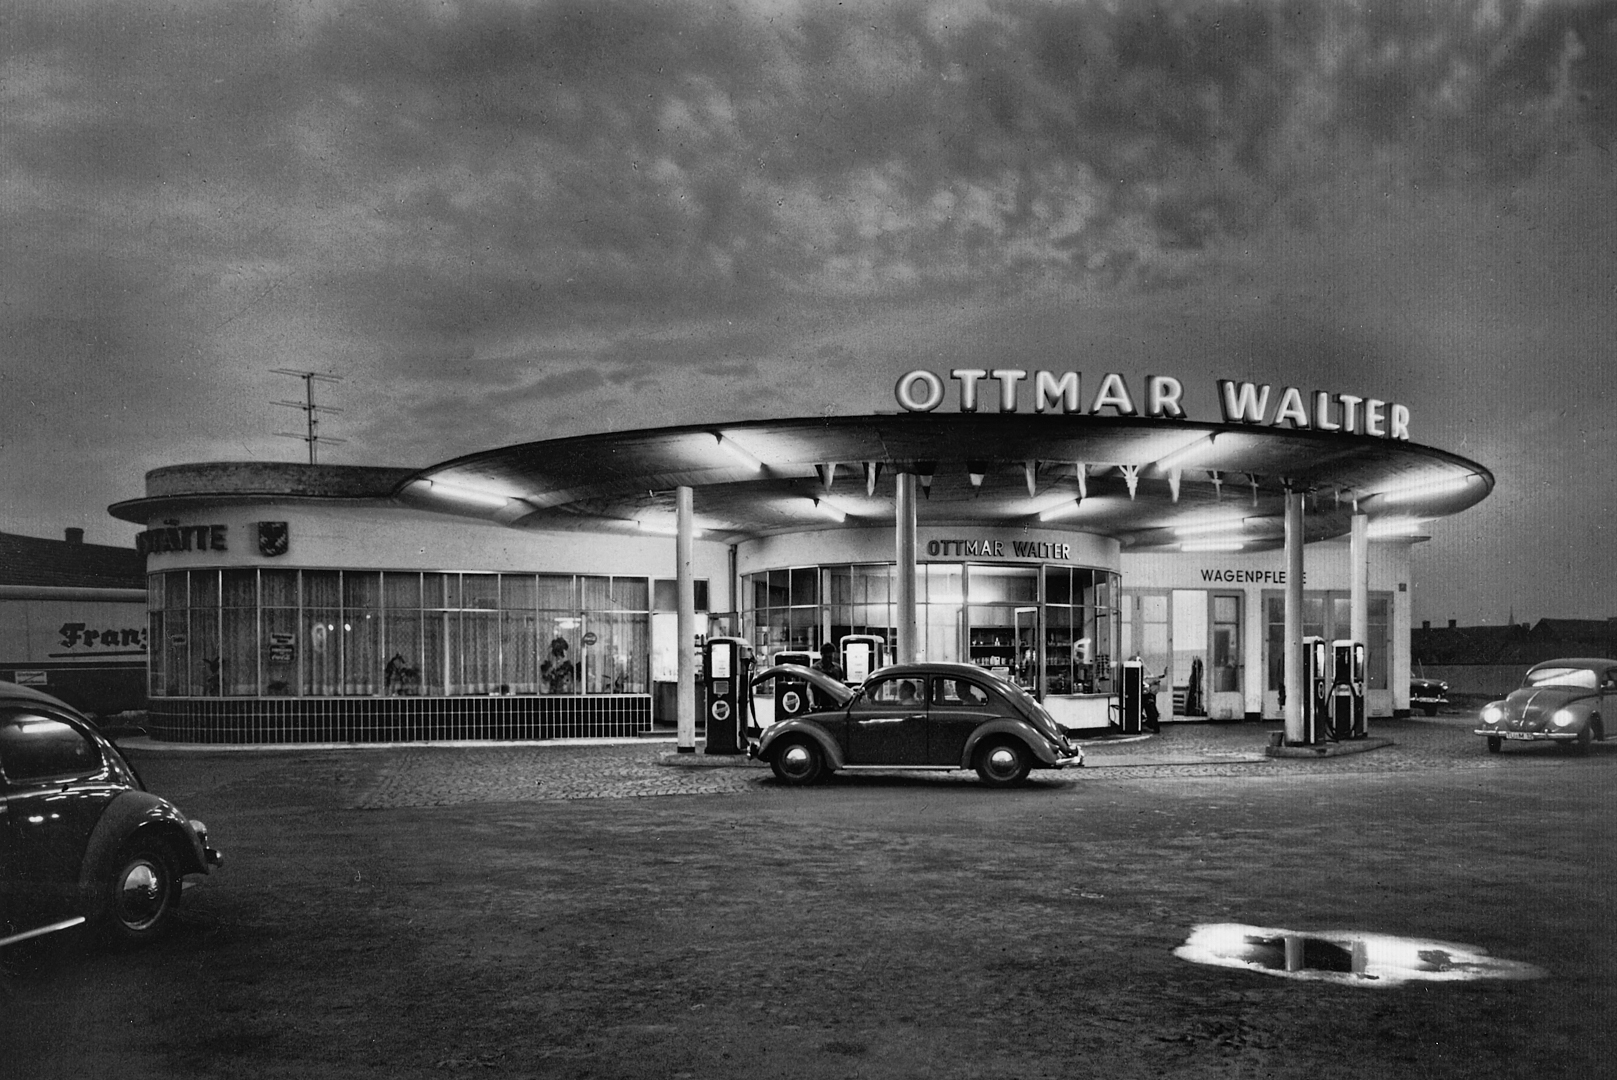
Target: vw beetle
914,716
81,839
1562,701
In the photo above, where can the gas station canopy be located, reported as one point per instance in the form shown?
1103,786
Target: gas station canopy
1151,483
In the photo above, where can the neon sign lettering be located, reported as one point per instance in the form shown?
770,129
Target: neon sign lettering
1163,398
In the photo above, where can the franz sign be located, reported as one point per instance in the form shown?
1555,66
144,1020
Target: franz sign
1242,402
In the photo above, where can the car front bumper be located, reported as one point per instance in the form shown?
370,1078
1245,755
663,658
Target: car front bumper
1074,760
1527,736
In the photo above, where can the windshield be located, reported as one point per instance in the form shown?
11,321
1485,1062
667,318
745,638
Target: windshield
1563,676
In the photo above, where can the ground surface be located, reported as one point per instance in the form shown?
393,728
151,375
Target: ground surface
613,911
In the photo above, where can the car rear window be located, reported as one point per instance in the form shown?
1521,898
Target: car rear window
33,747
1563,676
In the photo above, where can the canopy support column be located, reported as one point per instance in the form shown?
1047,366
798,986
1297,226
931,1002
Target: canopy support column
1359,594
905,650
1293,684
685,582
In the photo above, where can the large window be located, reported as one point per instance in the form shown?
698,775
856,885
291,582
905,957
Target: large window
1329,615
1059,623
318,633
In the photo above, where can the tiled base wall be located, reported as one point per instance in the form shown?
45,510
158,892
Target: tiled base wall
396,719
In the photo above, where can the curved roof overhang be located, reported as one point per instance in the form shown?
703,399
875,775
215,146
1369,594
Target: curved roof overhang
1138,480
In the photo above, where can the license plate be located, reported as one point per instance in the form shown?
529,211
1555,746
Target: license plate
1518,735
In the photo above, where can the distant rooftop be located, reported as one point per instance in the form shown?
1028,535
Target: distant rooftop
69,563
1519,645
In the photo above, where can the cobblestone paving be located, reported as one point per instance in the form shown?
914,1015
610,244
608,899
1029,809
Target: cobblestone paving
446,776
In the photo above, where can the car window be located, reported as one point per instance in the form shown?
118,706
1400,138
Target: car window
1562,676
958,692
34,746
895,692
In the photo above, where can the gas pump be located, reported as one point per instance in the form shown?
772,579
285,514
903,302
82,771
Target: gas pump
1316,690
727,673
1131,710
792,695
1347,690
862,654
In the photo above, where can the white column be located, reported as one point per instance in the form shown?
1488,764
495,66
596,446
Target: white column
685,580
1359,581
905,650
1293,677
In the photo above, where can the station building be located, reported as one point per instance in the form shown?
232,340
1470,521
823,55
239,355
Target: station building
545,589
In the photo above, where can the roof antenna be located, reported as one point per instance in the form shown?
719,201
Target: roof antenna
311,411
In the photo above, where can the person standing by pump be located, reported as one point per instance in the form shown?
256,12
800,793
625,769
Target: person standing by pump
828,664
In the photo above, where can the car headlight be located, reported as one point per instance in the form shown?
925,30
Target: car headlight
1563,717
1492,714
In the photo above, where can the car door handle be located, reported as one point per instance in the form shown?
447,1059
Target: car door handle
883,720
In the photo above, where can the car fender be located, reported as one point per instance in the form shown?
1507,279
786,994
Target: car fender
1021,730
801,726
139,812
1583,711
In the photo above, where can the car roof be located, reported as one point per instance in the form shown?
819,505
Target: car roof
948,668
10,691
1576,661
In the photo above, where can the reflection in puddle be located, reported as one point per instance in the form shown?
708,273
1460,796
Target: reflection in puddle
1345,956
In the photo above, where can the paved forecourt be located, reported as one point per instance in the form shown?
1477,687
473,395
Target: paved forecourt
432,775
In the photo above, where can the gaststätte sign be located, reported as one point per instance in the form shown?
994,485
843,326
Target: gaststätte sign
1163,397
182,538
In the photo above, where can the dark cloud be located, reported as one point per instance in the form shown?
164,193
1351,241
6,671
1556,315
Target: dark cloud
497,219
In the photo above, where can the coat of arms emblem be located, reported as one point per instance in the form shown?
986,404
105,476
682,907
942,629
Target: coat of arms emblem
273,538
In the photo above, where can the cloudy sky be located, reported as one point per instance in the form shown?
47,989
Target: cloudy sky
498,222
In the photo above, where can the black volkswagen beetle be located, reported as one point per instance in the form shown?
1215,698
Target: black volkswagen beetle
915,716
81,839
1562,701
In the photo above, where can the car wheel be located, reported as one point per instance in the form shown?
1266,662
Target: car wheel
1003,763
141,894
1585,737
797,762
1495,744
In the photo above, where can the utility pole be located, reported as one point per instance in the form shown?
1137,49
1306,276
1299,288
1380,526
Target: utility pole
311,411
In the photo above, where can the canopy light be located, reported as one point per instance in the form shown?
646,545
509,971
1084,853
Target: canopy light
466,494
739,453
1213,545
1425,488
1185,453
833,503
1065,508
662,528
828,509
1380,530
1229,525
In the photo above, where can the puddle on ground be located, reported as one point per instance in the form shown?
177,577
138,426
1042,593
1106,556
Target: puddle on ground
1345,956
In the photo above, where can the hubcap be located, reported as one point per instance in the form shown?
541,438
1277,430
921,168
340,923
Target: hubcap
1002,761
140,895
796,759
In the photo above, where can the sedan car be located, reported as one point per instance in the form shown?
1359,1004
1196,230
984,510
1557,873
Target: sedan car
1427,694
915,716
81,839
1561,701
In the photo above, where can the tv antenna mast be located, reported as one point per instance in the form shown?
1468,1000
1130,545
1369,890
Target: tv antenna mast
311,411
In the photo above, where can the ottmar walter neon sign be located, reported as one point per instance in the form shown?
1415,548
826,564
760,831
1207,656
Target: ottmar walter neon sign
1242,402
